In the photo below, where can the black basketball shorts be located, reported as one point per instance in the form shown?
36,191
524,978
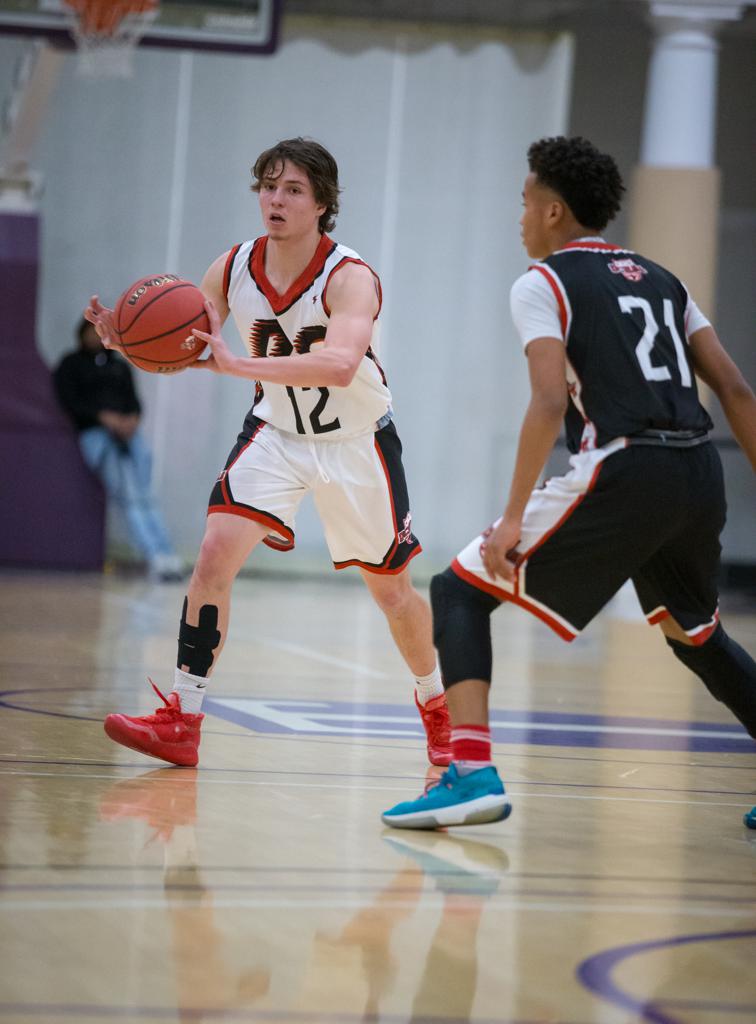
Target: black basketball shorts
649,514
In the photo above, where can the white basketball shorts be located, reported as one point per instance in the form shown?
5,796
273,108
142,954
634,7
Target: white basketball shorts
357,483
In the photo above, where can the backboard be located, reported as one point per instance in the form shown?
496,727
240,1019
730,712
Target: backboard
234,26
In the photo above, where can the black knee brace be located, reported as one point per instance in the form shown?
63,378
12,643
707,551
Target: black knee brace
461,628
728,672
197,643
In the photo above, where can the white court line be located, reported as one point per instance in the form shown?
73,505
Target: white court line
279,645
430,901
536,726
327,659
360,788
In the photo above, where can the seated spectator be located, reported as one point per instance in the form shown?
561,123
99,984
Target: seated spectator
95,387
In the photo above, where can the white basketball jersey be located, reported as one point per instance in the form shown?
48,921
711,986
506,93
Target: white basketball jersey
275,326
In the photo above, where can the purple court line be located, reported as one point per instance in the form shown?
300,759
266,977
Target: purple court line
738,743
207,732
65,714
52,1010
595,973
316,707
534,728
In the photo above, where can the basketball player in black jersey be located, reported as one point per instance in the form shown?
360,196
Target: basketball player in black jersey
614,343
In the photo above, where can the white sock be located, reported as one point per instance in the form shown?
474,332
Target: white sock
191,691
468,767
428,687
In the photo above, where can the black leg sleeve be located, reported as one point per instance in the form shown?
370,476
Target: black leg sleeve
461,628
728,671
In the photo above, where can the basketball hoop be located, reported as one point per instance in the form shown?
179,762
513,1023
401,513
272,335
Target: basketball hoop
106,32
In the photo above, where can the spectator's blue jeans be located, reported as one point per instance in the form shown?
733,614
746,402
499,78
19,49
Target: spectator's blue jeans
124,467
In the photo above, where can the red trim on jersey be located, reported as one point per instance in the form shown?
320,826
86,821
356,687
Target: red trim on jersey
598,246
658,616
558,294
378,569
280,303
362,263
505,595
228,268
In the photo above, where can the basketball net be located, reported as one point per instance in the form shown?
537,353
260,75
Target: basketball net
106,33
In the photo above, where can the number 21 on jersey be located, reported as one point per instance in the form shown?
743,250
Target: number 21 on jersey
643,349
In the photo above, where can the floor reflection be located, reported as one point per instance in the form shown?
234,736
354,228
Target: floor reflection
166,801
467,872
352,966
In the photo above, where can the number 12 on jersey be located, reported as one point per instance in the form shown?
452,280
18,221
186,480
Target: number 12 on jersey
627,304
317,426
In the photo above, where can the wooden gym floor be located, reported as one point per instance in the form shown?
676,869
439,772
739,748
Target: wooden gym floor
262,886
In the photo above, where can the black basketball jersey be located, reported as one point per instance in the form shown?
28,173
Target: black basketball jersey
623,321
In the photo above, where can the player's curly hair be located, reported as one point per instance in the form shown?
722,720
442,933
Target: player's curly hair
588,181
317,163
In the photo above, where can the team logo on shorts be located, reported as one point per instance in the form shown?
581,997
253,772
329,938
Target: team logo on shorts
405,535
628,269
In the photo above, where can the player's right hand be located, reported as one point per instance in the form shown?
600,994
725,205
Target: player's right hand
499,549
102,319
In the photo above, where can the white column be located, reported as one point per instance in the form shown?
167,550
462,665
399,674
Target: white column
675,194
681,95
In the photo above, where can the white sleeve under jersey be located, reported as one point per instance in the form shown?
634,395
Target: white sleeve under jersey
534,308
536,314
694,318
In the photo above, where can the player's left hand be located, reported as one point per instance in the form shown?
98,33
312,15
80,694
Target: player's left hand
101,318
221,358
498,549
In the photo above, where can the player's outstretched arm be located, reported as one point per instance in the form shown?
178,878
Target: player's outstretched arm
715,368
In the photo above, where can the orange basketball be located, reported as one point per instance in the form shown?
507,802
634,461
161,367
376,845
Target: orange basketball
154,319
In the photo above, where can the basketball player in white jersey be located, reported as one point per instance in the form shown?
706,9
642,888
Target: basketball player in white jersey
614,343
307,310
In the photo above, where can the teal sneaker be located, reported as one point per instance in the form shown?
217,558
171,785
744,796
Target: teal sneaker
473,799
749,820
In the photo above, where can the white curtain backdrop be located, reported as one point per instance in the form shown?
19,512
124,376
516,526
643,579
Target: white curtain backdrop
430,126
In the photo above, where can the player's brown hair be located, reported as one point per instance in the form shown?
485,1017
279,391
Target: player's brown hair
317,163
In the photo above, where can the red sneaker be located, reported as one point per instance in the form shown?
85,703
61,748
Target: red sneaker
435,716
168,734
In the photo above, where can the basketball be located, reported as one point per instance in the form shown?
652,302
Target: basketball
153,320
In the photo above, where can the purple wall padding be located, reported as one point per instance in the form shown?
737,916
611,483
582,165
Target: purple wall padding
52,515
